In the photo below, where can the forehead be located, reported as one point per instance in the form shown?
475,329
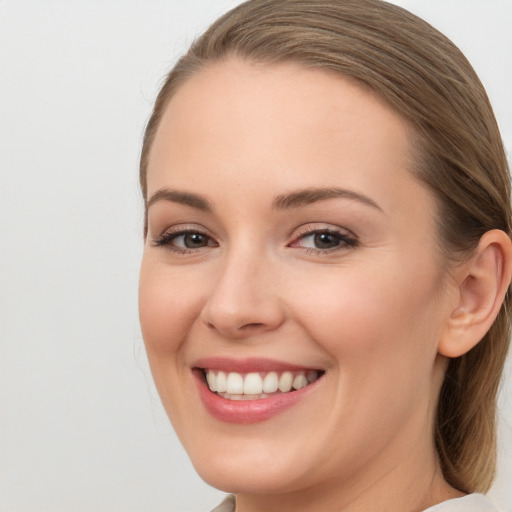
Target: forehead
244,122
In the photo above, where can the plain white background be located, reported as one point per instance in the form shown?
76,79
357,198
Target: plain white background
81,427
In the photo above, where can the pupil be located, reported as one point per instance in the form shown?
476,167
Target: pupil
194,240
326,240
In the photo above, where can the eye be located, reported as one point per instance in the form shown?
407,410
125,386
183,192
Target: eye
184,241
191,240
324,240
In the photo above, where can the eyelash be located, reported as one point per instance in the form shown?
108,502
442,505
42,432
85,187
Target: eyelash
345,241
166,240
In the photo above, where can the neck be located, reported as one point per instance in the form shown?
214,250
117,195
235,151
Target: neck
408,480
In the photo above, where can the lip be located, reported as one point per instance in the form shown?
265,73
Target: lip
248,365
247,411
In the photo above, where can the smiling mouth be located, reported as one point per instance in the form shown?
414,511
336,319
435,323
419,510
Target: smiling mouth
258,385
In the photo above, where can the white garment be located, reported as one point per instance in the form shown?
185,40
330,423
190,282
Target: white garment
469,503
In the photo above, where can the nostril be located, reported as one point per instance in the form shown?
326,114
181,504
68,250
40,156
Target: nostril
251,326
245,327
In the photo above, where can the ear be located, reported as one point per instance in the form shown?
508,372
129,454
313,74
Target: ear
482,284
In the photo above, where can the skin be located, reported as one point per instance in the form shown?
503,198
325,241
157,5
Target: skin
369,313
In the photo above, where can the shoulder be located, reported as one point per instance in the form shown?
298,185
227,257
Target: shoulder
228,505
469,503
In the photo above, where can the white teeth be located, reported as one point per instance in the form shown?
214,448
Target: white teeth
254,386
236,397
235,384
270,383
221,382
285,382
210,378
243,397
300,381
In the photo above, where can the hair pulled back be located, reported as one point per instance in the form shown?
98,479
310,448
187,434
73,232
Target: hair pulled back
459,157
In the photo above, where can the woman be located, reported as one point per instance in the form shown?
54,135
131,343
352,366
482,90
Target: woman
323,291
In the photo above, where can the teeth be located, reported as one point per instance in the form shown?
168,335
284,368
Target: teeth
221,382
270,383
243,397
285,382
300,381
210,378
312,376
252,386
235,384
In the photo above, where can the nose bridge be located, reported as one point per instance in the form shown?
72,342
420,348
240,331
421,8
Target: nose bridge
243,301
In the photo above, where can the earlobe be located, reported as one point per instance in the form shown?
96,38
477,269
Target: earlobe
482,284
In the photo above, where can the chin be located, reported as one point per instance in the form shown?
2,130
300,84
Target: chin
246,477
251,467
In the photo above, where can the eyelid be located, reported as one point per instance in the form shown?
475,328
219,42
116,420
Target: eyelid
308,229
347,238
165,238
184,228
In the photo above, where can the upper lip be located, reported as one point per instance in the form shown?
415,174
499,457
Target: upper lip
247,365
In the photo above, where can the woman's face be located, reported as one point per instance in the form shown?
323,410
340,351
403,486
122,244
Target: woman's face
289,244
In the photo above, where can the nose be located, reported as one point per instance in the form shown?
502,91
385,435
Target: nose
245,299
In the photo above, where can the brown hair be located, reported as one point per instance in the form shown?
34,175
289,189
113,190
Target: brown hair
460,157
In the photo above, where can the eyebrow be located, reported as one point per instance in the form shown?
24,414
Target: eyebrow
312,195
177,196
293,199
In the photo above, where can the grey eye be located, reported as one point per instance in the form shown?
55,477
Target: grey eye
192,240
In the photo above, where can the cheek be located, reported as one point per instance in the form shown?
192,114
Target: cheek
362,316
380,333
168,305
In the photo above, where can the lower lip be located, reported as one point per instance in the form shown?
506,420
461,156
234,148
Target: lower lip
248,411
